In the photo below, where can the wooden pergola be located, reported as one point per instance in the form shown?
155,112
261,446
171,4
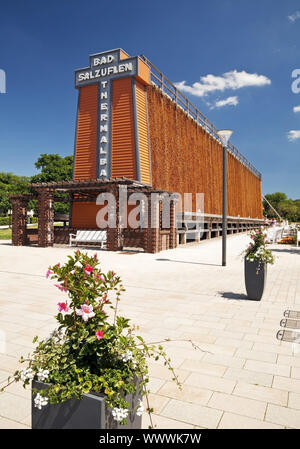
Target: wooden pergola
151,238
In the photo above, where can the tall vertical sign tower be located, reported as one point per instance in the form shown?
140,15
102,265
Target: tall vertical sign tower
112,135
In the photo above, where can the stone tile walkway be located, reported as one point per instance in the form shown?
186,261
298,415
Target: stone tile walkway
241,377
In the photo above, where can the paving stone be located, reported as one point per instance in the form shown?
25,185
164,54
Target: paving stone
187,393
239,405
288,384
196,414
161,422
14,408
211,382
232,421
284,416
294,400
256,355
261,393
203,367
269,368
252,377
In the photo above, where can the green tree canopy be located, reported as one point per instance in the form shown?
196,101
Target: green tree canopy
11,184
53,168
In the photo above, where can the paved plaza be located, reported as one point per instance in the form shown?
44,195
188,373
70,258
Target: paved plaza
241,377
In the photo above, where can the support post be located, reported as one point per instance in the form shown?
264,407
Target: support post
45,218
19,221
224,213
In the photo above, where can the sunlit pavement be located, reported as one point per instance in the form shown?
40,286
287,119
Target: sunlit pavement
241,377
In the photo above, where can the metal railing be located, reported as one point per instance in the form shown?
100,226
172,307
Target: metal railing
168,88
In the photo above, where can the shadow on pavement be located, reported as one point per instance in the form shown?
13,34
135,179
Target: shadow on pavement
184,261
231,295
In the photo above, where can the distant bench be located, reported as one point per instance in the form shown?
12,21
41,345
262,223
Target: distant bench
86,237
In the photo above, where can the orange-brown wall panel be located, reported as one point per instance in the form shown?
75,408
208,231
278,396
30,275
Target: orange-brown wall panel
123,140
84,215
186,159
142,125
86,134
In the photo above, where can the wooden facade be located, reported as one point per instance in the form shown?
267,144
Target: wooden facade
187,159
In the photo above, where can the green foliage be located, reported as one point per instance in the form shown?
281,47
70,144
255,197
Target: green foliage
4,221
286,207
88,351
54,168
11,184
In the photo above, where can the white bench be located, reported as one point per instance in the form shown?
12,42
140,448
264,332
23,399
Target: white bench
88,236
298,237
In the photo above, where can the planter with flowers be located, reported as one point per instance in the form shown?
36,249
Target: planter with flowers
257,256
91,372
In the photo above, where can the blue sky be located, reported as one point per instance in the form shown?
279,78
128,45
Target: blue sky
255,43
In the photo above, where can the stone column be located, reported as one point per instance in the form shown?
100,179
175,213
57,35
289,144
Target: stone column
45,217
19,220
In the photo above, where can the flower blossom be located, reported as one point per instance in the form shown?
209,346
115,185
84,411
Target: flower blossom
62,307
88,269
140,409
40,401
119,413
99,277
42,374
127,356
49,272
86,311
61,288
99,334
26,374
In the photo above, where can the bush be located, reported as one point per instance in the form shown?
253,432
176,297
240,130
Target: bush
4,221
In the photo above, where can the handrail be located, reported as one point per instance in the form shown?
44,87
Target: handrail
168,88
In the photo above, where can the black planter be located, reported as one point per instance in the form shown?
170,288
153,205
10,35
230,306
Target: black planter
255,278
88,413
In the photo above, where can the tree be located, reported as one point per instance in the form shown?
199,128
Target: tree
55,168
11,184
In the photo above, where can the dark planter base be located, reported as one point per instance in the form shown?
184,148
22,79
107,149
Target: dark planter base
88,413
255,279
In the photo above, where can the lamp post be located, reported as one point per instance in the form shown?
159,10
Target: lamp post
224,135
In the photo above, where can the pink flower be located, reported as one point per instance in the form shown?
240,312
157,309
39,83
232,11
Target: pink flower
88,269
62,307
95,256
61,288
99,334
49,272
86,311
99,277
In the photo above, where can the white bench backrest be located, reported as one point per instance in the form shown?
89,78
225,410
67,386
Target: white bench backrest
91,236
298,236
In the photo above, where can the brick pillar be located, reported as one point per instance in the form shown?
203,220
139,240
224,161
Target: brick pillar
19,221
45,218
173,239
152,232
114,234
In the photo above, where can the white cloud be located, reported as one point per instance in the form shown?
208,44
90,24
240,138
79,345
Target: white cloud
230,101
296,109
293,135
230,80
294,17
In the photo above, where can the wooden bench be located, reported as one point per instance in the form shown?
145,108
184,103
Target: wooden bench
87,237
